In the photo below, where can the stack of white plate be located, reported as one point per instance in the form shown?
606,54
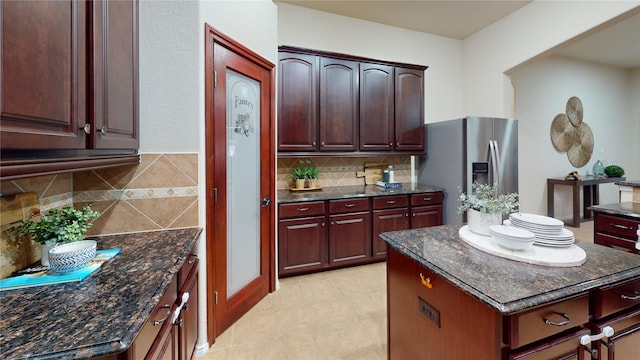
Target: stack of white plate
548,231
511,237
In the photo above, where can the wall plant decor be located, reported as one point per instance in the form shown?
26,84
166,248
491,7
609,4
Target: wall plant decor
571,135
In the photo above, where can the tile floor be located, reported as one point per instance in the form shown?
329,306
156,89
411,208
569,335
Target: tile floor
338,314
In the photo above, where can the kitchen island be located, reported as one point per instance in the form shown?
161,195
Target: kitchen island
102,315
448,300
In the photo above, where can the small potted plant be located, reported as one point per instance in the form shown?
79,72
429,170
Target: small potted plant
58,226
485,208
313,174
299,176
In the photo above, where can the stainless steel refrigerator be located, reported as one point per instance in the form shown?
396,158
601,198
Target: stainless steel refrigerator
462,151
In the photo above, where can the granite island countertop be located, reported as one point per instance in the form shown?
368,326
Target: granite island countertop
629,183
344,192
102,314
628,209
505,285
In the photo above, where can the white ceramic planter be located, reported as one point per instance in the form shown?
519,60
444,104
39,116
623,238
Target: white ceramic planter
479,222
44,254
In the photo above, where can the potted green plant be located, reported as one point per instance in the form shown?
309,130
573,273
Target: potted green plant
313,174
485,208
58,226
299,176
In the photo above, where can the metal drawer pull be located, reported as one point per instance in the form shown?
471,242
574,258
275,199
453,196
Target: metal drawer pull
636,296
426,199
303,209
391,201
193,259
562,323
349,205
607,331
621,226
166,316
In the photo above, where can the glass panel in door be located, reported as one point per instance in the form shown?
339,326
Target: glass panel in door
243,190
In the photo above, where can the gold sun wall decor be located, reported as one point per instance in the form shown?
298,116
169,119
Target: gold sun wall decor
571,135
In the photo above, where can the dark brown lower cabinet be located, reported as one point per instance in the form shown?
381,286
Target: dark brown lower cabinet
303,245
171,332
616,231
428,318
350,238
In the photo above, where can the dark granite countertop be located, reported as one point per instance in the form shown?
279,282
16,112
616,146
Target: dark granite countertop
505,285
628,209
343,192
102,314
629,183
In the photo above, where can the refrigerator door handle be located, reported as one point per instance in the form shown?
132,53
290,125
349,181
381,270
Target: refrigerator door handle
496,166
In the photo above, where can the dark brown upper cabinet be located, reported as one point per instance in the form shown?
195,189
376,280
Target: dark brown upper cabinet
376,107
297,102
409,111
69,97
333,103
44,94
338,104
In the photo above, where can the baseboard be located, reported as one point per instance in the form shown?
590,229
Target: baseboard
202,349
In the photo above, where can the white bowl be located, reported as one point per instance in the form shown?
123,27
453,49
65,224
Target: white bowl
513,243
511,231
72,257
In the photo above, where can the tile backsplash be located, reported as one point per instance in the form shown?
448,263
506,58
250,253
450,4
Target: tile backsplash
159,193
341,171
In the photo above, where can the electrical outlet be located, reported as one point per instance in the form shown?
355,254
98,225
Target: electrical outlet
429,311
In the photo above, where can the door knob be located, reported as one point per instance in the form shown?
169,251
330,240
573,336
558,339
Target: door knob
266,202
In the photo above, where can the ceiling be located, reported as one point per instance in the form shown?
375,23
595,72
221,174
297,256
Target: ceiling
616,44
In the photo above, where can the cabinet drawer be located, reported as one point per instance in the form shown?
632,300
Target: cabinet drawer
538,324
617,298
565,347
622,227
302,209
159,316
616,242
348,205
390,202
426,199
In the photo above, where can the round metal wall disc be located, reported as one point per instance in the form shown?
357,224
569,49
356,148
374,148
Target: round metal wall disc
562,133
580,153
574,110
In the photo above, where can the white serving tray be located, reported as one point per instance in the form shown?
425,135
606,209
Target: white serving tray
538,255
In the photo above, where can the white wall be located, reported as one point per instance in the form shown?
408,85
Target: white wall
313,29
542,89
527,33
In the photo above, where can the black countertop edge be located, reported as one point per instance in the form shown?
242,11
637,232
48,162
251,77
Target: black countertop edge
471,269
102,314
629,183
628,209
343,192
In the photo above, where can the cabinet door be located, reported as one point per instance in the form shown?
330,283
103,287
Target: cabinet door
165,346
564,348
376,107
338,104
43,101
387,220
425,216
297,102
409,109
350,238
302,245
114,95
624,344
188,320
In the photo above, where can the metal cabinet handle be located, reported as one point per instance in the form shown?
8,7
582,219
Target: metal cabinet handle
621,226
562,323
86,128
636,296
313,143
349,205
165,317
103,130
303,209
426,199
390,144
193,259
391,201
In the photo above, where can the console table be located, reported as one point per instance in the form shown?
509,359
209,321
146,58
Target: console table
589,192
